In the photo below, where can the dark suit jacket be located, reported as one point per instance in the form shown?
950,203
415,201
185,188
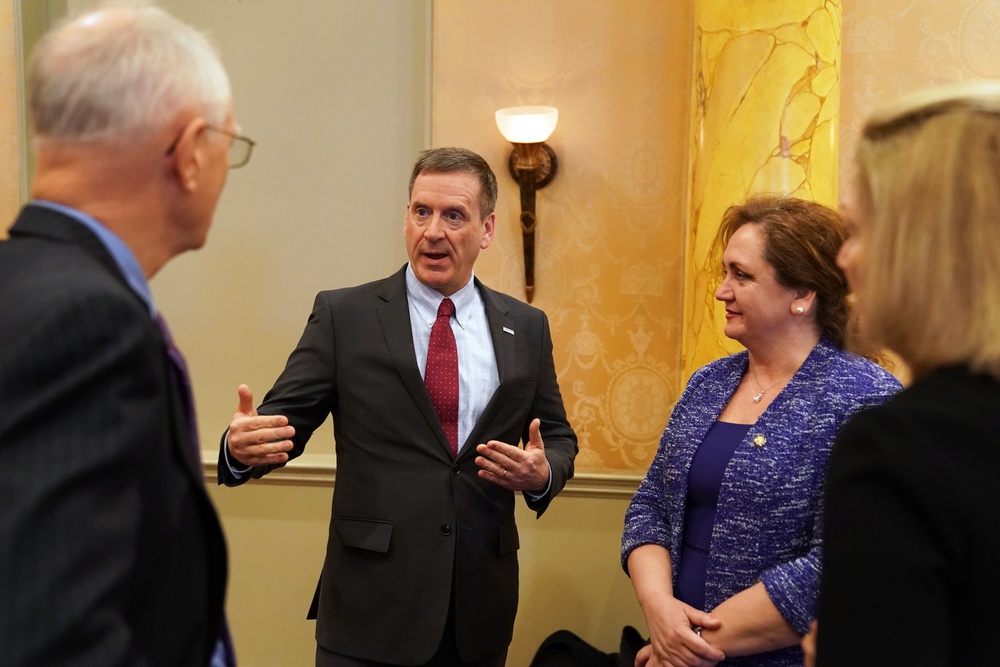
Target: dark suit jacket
110,550
408,520
911,566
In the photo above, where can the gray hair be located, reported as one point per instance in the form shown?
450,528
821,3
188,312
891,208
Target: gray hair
451,159
120,70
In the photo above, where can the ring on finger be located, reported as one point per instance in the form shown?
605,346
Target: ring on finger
504,473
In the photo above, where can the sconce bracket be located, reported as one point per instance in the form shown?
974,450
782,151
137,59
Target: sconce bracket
546,169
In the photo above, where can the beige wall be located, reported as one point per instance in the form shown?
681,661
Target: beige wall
320,205
303,217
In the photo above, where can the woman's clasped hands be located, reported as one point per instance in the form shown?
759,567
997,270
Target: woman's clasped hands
675,639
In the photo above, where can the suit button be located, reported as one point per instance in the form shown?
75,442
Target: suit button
445,529
456,469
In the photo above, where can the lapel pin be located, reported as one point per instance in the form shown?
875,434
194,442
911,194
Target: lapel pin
759,440
510,331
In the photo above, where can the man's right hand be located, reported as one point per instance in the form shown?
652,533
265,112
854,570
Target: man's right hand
256,440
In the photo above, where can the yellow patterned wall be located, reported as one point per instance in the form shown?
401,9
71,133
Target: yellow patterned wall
895,46
610,240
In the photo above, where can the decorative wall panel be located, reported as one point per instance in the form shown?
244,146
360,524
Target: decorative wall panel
610,239
895,46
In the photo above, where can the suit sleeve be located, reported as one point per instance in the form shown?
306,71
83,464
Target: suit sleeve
78,394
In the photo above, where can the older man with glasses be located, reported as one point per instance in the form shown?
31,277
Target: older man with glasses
110,550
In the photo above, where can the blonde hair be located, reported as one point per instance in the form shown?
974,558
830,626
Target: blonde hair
929,184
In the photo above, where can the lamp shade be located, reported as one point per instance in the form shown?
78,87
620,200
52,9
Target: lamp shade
527,125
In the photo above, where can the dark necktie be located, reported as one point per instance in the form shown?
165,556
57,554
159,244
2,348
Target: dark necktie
183,382
224,655
441,377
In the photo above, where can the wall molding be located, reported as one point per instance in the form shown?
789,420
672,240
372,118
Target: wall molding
321,470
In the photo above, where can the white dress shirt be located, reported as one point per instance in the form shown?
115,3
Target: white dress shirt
478,377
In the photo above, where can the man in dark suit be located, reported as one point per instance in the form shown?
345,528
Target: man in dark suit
110,550
421,564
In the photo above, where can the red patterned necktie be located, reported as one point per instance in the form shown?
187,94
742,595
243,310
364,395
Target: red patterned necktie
441,377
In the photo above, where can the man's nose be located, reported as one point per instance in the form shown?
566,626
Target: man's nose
435,227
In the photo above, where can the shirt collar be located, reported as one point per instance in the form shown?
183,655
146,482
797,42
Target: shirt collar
118,249
427,299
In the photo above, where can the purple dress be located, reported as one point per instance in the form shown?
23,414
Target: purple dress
704,480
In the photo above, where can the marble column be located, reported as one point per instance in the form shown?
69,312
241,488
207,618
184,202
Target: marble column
764,110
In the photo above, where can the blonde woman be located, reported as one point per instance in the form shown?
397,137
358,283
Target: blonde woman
912,549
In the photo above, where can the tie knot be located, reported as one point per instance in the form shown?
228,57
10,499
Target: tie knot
446,309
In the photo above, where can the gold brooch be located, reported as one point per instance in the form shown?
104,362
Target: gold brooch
759,440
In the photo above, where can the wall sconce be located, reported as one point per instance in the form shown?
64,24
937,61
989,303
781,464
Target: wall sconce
533,165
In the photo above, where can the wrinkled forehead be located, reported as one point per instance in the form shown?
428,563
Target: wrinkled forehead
454,186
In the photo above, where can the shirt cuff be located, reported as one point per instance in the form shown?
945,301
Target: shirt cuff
545,492
236,472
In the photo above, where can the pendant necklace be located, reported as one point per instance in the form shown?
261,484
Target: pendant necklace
760,394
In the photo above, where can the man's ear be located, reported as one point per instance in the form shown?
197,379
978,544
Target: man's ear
489,227
188,154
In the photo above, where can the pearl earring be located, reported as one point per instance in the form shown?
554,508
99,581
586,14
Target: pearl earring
800,310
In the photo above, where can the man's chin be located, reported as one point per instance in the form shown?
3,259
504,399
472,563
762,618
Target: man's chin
433,276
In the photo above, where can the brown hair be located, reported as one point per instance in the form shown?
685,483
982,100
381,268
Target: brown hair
451,159
801,242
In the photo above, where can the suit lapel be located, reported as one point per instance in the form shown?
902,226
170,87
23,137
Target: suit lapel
502,331
394,315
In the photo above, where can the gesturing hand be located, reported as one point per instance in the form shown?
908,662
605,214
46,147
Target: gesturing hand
256,440
515,468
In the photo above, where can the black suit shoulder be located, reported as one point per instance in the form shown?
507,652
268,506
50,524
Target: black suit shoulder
910,525
107,535
66,306
383,289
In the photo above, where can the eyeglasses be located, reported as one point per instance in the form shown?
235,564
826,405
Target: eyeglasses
240,149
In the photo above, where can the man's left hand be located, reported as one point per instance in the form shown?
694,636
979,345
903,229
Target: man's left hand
514,468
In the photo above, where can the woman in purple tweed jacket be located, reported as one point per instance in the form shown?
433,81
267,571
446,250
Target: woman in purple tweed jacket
722,539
